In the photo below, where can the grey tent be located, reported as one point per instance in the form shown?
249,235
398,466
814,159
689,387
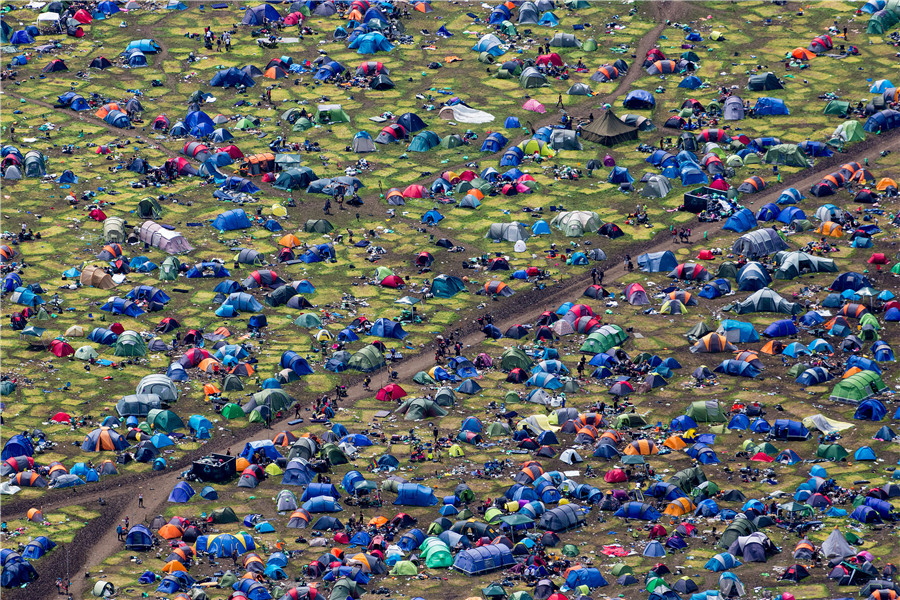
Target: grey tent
167,240
420,408
639,121
562,518
795,264
733,109
508,232
579,89
767,300
763,82
564,139
528,14
565,40
836,546
114,230
657,186
786,154
138,405
362,142
609,130
577,222
248,256
759,243
532,78
160,385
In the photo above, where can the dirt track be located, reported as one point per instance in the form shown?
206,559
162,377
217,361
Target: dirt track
89,549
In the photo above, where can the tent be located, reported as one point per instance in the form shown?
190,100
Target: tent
609,130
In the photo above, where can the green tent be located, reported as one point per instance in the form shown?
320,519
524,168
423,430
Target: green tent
881,22
334,455
494,590
382,272
149,208
232,411
86,353
445,396
130,344
446,286
454,140
515,358
164,420
222,516
436,554
232,383
497,429
706,411
589,45
858,387
405,568
169,269
345,587
5,31
423,378
786,154
795,264
850,131
486,58
521,595
331,113
420,408
424,141
367,359
308,320
621,569
256,416
7,388
570,550
630,420
532,78
577,4
837,107
302,124
832,452
275,398
245,124
318,226
508,28
698,331
603,339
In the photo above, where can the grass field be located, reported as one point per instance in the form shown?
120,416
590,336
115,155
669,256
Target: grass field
757,35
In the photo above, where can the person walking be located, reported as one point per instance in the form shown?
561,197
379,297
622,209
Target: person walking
140,501
559,102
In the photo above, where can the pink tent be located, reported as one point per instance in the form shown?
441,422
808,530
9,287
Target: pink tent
534,106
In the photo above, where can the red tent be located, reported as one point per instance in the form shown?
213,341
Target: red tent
392,391
392,281
706,255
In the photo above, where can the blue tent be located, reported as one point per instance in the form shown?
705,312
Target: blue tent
620,175
328,70
483,559
821,346
138,538
850,281
181,493
232,219
388,329
766,106
469,386
544,380
548,19
242,302
790,214
146,46
297,473
469,424
741,221
319,504
589,576
739,331
540,227
16,571
259,15
692,82
38,547
432,217
870,409
682,423
883,351
782,328
722,562
232,77
864,453
21,37
657,262
814,376
739,422
263,447
865,514
882,121
639,99
737,368
790,196
121,306
768,212
637,510
320,489
370,43
414,494
788,430
495,141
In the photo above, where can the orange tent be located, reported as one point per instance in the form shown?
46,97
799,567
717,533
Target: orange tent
802,54
173,565
675,442
885,183
170,532
210,389
830,229
378,521
289,241
209,365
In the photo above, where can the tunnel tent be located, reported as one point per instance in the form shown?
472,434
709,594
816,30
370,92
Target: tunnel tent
764,82
565,40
